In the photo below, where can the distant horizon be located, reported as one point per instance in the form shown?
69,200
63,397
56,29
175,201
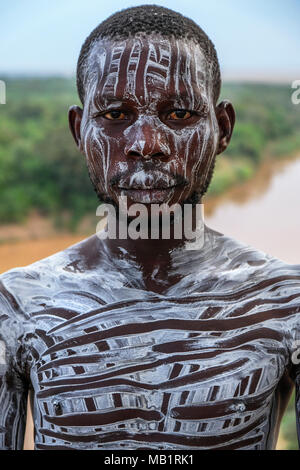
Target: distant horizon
259,79
255,41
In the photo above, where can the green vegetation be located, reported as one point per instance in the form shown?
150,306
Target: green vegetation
40,167
288,426
267,126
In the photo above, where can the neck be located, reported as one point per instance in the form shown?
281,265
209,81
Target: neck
155,254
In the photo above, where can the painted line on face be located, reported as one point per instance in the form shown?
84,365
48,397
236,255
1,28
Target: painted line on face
169,65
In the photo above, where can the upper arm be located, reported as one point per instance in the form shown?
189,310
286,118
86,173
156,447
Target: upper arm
13,400
13,384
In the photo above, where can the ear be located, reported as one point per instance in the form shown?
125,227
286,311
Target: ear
75,117
226,119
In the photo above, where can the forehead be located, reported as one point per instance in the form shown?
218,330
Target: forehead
147,64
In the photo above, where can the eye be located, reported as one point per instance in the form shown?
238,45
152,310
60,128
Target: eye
115,115
179,114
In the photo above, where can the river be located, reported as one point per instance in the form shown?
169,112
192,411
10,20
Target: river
265,212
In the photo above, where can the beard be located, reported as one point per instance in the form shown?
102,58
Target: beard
194,198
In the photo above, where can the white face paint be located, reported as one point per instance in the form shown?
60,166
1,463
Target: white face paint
144,82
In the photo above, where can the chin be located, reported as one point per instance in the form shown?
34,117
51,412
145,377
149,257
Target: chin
193,199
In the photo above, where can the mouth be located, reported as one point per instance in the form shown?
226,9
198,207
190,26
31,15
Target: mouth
148,195
147,188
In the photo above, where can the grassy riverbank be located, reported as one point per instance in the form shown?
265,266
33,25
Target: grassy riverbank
267,128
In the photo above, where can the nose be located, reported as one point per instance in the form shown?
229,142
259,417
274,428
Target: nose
147,142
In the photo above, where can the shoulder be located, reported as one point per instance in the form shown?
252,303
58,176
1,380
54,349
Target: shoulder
260,287
250,266
239,253
21,286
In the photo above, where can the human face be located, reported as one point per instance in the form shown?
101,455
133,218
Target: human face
149,128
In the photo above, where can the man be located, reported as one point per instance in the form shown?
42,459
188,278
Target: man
158,343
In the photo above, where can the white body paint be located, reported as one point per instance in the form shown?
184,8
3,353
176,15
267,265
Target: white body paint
115,365
197,367
163,70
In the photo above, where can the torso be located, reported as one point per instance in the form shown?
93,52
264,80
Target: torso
204,365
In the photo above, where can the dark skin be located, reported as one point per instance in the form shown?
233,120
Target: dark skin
155,254
152,254
146,344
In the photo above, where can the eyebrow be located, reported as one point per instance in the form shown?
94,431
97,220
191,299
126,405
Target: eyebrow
183,99
109,97
180,97
167,97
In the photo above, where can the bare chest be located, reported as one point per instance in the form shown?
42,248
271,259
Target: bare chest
188,368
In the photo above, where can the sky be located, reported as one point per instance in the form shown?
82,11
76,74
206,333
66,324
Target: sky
254,39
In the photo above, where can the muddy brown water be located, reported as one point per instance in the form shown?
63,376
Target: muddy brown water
265,212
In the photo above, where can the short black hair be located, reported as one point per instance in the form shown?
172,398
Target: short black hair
148,19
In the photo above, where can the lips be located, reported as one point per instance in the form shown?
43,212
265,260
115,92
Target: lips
148,195
147,188
144,180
